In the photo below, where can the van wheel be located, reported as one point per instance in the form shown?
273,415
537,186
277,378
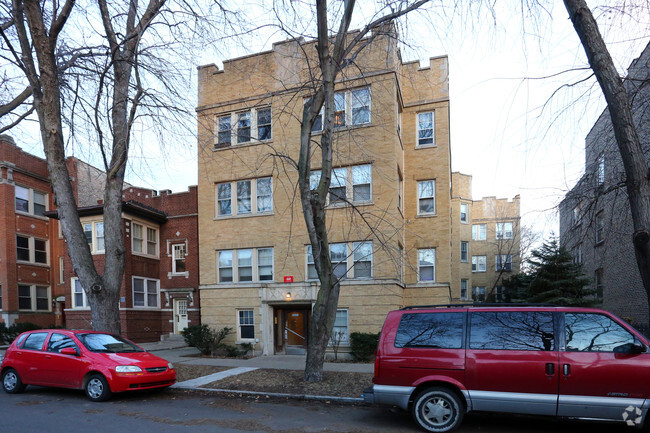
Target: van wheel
97,388
11,382
438,410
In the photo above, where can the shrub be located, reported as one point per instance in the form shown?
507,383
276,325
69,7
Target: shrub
207,340
363,345
18,328
3,332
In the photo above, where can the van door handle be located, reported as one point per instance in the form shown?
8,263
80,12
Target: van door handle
566,369
550,368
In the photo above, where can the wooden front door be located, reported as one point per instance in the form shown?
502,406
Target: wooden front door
292,330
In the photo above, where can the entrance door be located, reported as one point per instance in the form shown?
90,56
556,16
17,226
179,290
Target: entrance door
292,330
180,315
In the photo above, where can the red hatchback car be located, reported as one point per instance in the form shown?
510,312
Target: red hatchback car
441,362
96,362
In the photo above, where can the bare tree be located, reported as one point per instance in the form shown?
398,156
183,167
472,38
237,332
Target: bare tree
637,180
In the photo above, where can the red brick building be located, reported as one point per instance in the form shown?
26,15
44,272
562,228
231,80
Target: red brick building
159,294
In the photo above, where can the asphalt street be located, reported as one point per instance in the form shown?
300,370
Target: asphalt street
43,410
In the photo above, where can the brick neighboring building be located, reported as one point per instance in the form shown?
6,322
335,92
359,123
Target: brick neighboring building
159,292
487,243
595,218
391,160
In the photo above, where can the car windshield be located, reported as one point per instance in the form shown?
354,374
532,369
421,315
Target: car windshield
107,343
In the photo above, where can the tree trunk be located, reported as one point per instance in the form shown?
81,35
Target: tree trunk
627,138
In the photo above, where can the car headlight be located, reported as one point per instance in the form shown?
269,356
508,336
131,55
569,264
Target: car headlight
128,369
170,366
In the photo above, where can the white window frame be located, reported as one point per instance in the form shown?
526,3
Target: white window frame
479,232
145,287
31,245
234,119
351,258
478,293
145,239
466,251
464,216
503,261
240,324
259,265
33,299
349,100
422,197
94,241
174,247
342,315
479,263
234,198
432,266
344,177
432,129
502,230
31,201
218,143
75,284
464,291
235,266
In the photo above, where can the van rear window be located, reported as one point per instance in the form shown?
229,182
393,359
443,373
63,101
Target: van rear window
431,330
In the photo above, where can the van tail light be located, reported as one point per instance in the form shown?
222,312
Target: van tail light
377,361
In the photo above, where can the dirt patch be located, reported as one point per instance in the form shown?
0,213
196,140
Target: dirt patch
336,384
187,372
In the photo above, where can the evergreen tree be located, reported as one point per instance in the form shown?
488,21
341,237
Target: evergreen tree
553,278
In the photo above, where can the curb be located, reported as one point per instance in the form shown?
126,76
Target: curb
347,400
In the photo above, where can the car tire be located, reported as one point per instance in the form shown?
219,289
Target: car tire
97,388
438,410
11,382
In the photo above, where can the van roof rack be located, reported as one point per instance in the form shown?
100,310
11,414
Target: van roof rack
478,304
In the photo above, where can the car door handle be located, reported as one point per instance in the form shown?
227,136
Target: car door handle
566,369
550,368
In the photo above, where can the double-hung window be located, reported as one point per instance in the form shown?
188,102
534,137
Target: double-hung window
464,284
479,232
504,262
339,109
264,195
600,169
244,197
464,213
504,230
351,107
145,239
348,184
427,197
145,292
349,260
479,263
600,227
243,127
224,199
33,298
338,190
253,196
32,250
464,251
361,182
94,232
30,201
426,129
264,124
427,264
224,133
245,325
178,259
340,331
245,265
360,106
79,299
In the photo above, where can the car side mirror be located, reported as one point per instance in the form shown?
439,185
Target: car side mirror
69,351
633,348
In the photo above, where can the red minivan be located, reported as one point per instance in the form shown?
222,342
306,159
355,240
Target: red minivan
440,362
96,362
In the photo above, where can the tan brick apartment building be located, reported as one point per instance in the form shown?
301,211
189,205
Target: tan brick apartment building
393,243
486,236
159,293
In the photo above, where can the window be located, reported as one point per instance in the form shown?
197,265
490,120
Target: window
251,265
427,197
246,325
178,259
503,262
425,129
60,341
144,237
35,341
32,250
512,330
361,181
600,228
479,232
504,230
600,169
587,332
244,127
575,215
361,106
264,124
254,196
577,254
340,331
30,201
464,213
464,251
79,299
598,279
224,133
431,330
349,260
94,232
145,292
478,293
499,293
347,185
464,284
427,264
350,108
338,192
33,298
479,264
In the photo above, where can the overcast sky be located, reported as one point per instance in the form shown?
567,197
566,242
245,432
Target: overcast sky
516,126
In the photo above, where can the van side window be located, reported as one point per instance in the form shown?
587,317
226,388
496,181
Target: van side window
431,330
512,330
587,332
